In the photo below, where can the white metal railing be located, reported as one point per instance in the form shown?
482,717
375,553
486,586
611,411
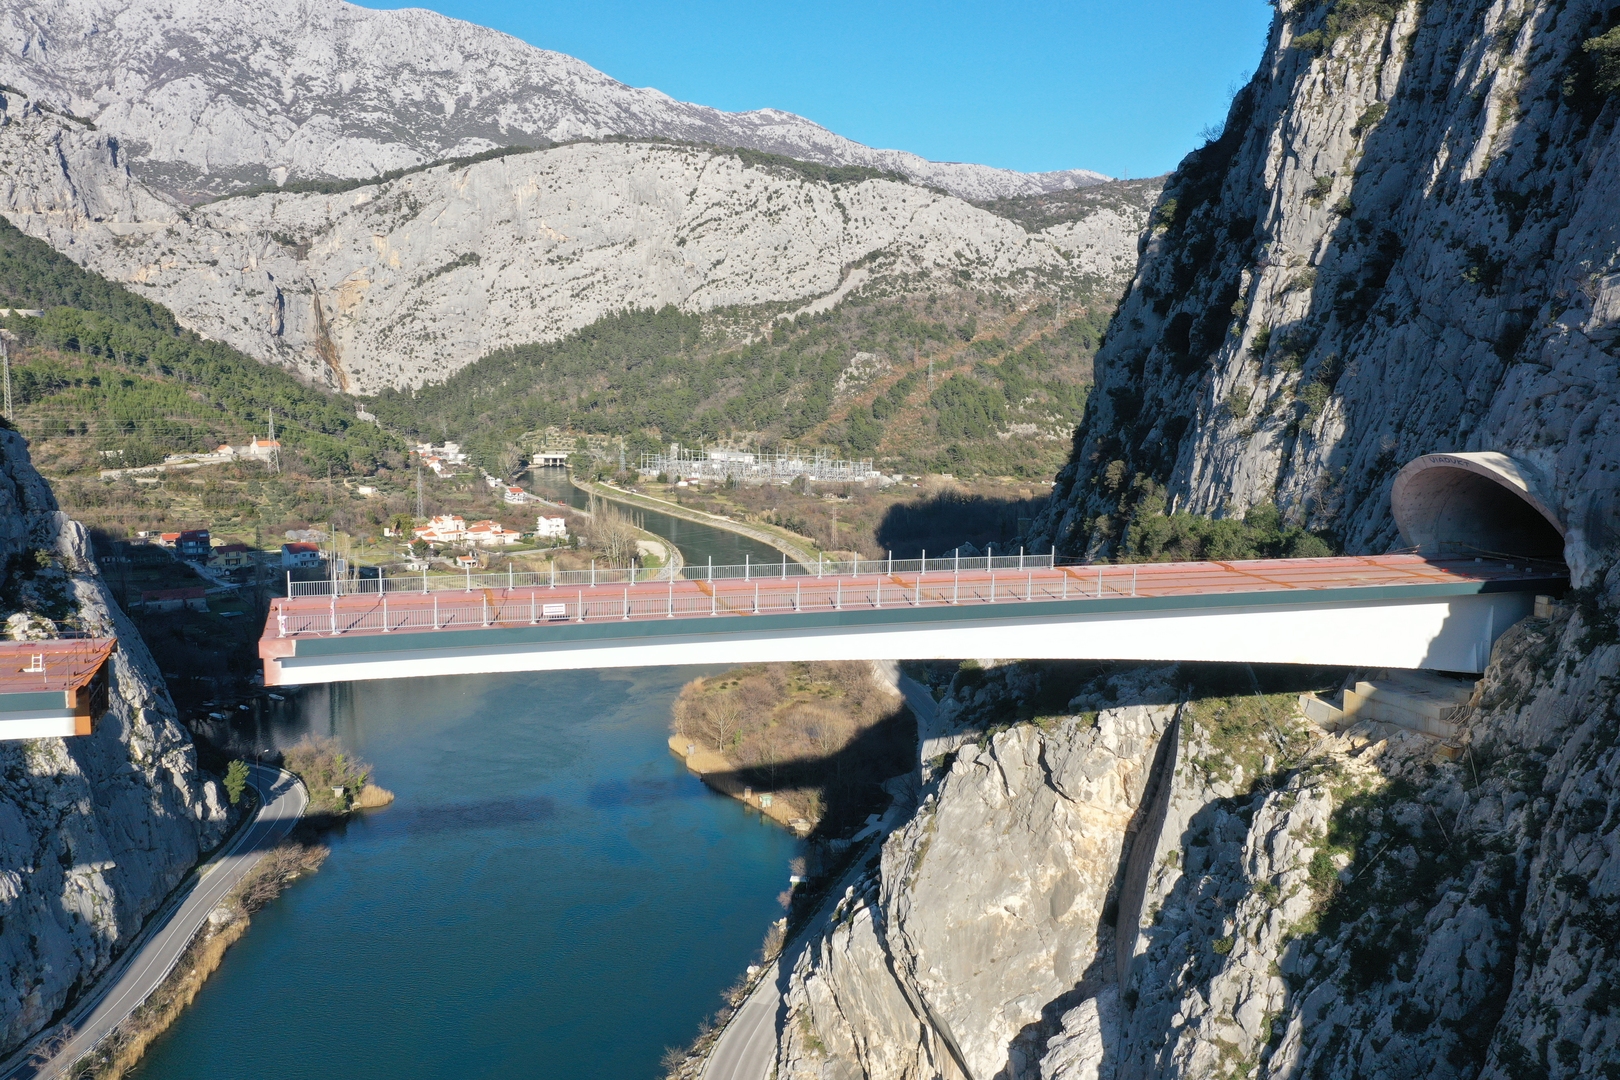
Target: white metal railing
806,593
749,570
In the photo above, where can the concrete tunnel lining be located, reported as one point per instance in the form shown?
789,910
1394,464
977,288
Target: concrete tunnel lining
1475,503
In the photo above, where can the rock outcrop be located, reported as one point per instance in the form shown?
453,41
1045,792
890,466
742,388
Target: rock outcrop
1315,904
398,283
1403,242
211,96
96,830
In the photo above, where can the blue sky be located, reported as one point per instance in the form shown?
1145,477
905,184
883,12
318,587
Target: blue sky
1093,84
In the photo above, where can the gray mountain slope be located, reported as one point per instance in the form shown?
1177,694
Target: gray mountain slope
206,97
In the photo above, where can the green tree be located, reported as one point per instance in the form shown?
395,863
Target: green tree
236,778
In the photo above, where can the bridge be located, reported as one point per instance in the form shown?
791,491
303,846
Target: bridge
1485,543
1400,611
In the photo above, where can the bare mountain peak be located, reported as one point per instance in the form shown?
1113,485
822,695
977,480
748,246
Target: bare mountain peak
208,96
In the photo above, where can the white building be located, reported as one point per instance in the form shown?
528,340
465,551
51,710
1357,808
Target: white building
491,533
444,529
551,528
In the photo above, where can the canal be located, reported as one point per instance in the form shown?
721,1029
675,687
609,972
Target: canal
550,895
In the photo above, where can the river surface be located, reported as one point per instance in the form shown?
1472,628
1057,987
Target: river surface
550,895
698,543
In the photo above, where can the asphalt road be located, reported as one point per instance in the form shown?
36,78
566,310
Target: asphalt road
746,1049
129,983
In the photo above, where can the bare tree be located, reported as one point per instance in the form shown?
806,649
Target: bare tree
613,535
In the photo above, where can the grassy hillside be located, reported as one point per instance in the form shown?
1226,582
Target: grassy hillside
963,382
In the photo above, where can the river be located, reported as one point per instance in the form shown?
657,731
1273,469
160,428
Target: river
550,895
698,543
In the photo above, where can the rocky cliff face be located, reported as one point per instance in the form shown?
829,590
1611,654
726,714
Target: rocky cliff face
208,97
1404,242
1308,904
398,283
96,830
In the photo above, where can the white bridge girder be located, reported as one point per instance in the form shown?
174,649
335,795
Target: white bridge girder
1450,633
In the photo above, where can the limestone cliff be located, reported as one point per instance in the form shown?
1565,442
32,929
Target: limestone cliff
398,283
96,830
1404,241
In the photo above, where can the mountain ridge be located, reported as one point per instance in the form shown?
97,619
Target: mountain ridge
209,97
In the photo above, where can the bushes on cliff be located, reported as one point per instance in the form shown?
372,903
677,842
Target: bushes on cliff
1153,536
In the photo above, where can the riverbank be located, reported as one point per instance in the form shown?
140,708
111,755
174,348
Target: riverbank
801,550
715,770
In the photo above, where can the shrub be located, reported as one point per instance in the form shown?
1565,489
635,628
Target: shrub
1605,53
1261,341
1369,118
236,777
1321,189
1223,946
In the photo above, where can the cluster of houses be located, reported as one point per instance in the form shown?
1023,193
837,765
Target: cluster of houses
453,529
441,459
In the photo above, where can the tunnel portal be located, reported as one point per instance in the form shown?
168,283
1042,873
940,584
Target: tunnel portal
1482,503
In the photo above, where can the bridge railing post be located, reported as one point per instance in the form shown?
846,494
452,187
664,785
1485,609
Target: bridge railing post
580,604
424,579
1099,583
992,585
1133,581
385,612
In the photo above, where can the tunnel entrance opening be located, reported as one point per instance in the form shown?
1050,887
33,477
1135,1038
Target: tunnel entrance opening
1475,504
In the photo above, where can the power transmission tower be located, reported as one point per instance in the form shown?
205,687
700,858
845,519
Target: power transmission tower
275,447
5,359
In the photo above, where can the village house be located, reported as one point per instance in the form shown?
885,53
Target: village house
232,557
516,495
193,544
490,533
299,555
444,529
551,528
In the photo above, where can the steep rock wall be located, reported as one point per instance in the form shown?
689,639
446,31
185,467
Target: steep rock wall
1317,904
96,830
1403,242
405,282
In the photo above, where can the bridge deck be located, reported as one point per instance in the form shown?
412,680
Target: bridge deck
555,613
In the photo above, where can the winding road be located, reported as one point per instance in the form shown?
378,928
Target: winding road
132,980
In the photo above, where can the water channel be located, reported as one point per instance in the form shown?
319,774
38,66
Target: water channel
551,894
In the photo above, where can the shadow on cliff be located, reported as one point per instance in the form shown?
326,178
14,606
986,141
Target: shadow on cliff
1133,868
946,519
850,778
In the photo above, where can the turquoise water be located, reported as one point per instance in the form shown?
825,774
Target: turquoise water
551,895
